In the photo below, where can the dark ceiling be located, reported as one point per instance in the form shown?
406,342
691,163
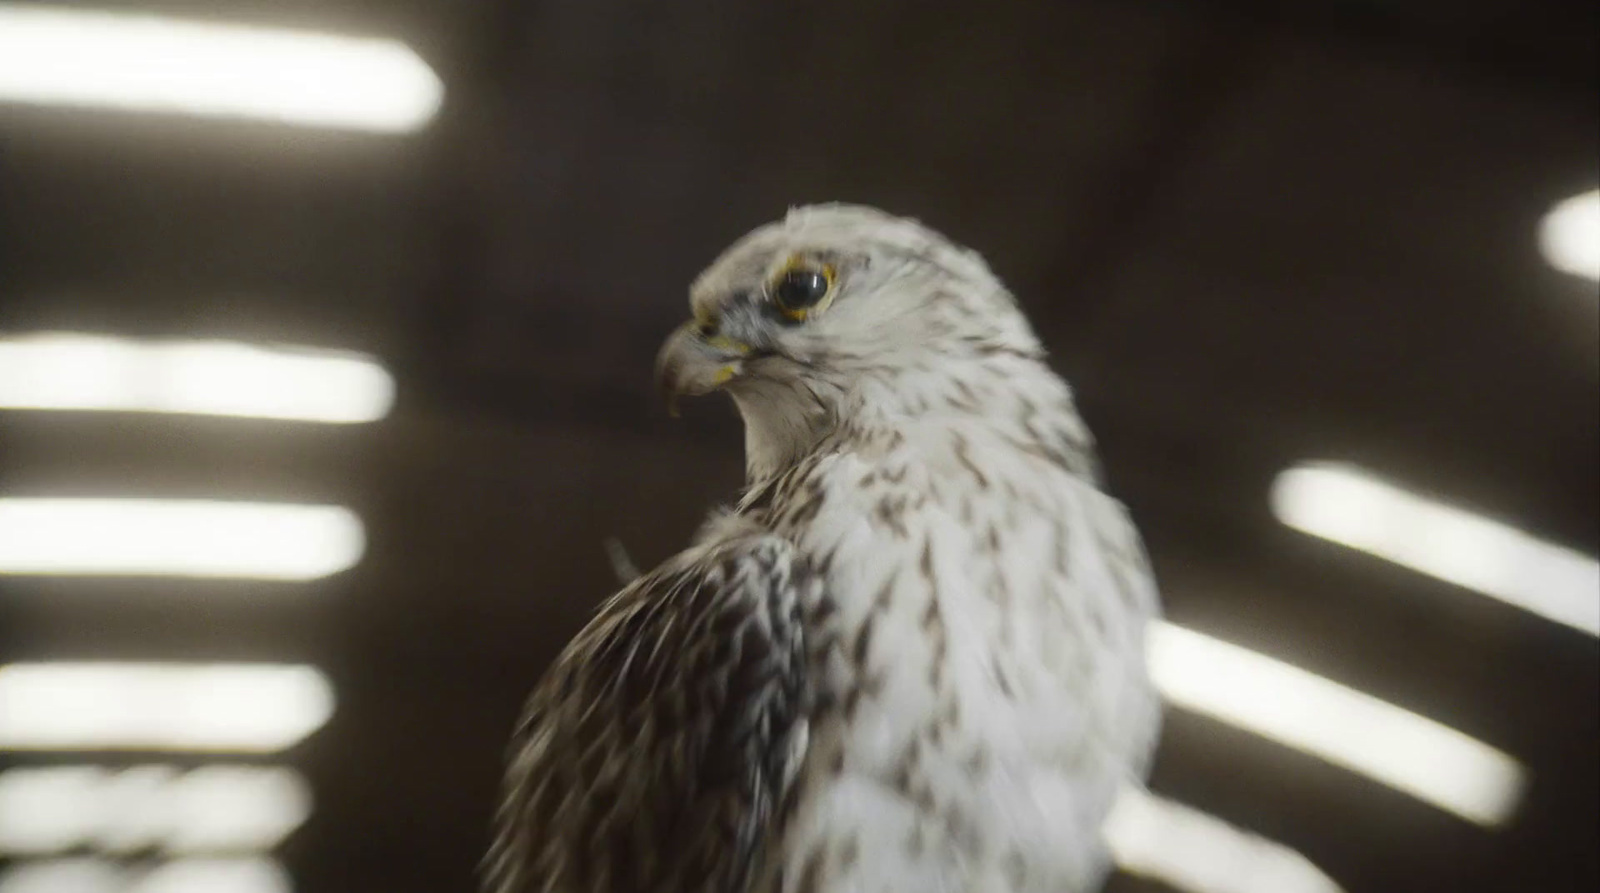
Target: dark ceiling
1251,233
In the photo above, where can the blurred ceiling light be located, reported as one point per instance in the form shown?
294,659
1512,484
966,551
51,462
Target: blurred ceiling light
62,876
252,708
1569,236
1348,506
59,370
1356,731
1189,850
146,63
90,875
180,538
218,808
239,875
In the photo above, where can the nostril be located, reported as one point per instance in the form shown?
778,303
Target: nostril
706,329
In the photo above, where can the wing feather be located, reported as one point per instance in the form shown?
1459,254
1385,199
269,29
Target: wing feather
657,751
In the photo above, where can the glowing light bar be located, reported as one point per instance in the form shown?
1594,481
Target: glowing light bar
1407,752
1570,235
251,708
1350,507
146,63
217,808
90,875
64,371
1191,851
63,876
181,538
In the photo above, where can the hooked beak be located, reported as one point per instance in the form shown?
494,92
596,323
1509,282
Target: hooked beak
694,363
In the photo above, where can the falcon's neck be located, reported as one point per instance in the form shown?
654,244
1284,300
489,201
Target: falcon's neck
783,423
1014,396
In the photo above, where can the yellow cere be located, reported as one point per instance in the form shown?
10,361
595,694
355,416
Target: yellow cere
723,375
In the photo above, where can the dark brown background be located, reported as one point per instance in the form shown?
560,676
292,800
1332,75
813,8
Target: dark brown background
1250,233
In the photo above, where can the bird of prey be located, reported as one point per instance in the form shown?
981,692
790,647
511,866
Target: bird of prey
910,658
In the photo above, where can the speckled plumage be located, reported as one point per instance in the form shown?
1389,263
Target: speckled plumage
910,659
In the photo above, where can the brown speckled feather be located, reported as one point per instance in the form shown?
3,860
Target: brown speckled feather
656,752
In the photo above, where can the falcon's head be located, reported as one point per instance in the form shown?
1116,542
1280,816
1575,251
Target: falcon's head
836,312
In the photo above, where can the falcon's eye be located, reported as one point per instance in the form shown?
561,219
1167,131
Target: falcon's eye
800,289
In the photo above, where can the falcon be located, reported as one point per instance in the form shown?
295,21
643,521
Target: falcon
909,659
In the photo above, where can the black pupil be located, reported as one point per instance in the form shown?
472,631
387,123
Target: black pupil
801,288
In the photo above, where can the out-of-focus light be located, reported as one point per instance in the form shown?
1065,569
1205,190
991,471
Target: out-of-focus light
89,875
1407,752
1198,853
65,371
256,875
180,538
146,63
63,876
255,708
1569,236
1350,507
210,809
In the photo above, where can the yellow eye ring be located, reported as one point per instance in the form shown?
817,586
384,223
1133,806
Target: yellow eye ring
802,288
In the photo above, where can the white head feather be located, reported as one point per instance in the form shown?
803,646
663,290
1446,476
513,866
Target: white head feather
911,323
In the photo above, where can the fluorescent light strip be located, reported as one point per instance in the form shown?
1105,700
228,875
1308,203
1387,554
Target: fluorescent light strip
179,538
66,371
245,708
90,875
1407,752
216,808
1353,508
146,63
1569,236
1191,851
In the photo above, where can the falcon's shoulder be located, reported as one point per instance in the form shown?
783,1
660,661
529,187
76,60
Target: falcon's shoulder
660,745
